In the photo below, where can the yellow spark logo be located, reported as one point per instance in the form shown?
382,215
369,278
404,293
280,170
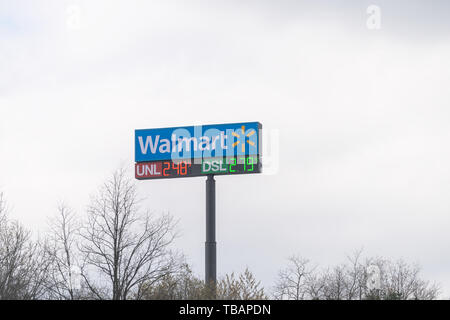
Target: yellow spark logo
239,137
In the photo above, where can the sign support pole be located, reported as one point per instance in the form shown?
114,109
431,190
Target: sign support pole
210,244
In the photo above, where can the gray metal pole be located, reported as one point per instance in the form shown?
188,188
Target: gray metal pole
210,244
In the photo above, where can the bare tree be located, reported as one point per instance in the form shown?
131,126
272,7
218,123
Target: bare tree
349,281
294,282
64,279
244,287
2,208
346,281
123,249
401,281
186,286
356,277
24,263
182,285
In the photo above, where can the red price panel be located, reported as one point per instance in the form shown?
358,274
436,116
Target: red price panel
148,170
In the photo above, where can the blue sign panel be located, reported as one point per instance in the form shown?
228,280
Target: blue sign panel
194,142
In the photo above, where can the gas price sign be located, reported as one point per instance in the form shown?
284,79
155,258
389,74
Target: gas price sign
192,168
177,152
195,151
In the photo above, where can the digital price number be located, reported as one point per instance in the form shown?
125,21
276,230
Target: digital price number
170,168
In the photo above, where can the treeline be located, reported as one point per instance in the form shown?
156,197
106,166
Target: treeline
121,251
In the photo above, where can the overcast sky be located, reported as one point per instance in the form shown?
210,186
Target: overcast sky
361,117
